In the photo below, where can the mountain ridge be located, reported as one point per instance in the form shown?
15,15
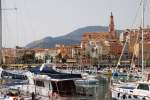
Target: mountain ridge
73,37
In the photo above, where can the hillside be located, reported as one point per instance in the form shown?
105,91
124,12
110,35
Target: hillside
73,37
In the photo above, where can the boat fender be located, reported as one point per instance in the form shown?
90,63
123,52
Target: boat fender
143,98
124,96
50,94
15,98
118,95
129,96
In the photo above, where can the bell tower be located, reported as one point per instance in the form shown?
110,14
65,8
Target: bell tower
111,24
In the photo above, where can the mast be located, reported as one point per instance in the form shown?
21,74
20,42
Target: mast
0,32
142,17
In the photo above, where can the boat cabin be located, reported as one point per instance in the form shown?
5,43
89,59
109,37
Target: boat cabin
142,90
61,86
143,86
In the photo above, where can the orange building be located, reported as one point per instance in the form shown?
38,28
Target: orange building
106,43
69,51
115,48
8,55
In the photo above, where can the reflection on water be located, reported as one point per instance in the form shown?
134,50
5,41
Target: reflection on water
104,92
99,92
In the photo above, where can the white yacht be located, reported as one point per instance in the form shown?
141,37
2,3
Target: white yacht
142,90
122,91
46,82
135,91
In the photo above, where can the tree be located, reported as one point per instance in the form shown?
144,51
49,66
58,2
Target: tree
58,57
64,60
28,57
46,57
51,59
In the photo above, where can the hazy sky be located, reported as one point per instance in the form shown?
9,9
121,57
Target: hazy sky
36,19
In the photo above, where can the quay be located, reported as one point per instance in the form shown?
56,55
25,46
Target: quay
18,66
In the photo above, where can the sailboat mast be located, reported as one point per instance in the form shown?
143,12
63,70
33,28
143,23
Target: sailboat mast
0,32
142,38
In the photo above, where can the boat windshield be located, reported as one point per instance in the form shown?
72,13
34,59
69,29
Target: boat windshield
127,87
39,83
143,87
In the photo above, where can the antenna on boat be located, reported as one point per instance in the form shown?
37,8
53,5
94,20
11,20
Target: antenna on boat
142,17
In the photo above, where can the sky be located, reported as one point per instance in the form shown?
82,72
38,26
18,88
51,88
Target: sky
28,20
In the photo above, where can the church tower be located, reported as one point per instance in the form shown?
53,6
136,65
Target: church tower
111,24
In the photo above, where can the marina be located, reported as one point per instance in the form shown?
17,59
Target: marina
91,88
83,91
89,63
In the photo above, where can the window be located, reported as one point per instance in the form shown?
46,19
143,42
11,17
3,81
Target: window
50,86
143,87
39,83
